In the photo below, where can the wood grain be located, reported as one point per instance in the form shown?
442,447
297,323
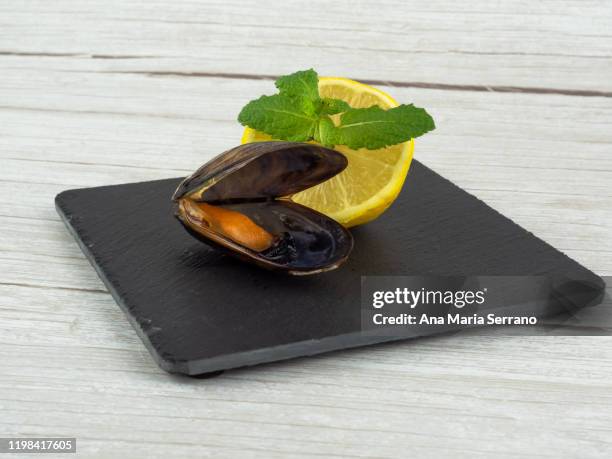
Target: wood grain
94,93
546,44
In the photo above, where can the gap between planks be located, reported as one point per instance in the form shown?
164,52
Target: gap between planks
374,82
388,83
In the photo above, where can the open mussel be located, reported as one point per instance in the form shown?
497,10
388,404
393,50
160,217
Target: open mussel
241,202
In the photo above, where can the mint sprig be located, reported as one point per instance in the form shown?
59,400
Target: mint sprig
299,114
304,83
282,117
374,127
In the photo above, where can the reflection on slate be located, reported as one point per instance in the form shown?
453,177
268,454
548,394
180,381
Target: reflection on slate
199,311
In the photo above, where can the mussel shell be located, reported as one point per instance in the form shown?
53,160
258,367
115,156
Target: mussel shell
309,242
262,170
256,181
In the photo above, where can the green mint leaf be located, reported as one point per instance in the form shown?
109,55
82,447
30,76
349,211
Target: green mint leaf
334,106
308,106
326,132
375,128
282,117
304,83
299,114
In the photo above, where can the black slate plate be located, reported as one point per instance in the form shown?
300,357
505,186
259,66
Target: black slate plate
198,311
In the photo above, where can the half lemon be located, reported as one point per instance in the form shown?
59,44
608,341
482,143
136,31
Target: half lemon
373,178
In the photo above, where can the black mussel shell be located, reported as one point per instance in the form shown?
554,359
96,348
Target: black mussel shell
305,241
262,170
240,202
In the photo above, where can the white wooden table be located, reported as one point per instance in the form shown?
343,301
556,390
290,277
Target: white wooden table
95,93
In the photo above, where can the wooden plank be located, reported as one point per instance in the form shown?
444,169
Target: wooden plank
548,44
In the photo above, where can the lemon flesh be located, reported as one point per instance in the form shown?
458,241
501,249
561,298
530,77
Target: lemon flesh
373,178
